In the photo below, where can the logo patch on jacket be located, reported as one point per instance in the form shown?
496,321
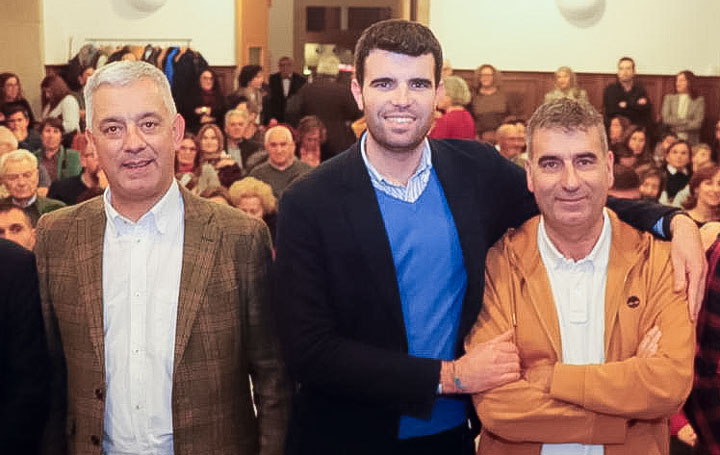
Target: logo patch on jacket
633,301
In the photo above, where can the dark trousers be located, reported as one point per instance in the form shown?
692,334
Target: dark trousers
456,441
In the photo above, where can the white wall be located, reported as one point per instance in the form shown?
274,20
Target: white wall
280,31
663,36
210,24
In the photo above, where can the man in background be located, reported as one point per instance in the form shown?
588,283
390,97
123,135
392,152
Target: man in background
283,84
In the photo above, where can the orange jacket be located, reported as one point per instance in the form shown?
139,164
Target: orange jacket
624,403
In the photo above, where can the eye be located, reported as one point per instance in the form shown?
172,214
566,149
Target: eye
421,84
550,165
149,125
585,162
111,130
382,83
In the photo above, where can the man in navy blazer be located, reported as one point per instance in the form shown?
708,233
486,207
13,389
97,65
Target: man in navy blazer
380,267
283,84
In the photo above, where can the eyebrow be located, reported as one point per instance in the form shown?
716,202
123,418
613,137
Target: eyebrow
115,119
382,79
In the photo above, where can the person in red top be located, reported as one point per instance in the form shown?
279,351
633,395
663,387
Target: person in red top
456,122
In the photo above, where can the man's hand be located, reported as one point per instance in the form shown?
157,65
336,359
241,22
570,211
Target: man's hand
688,258
484,367
649,344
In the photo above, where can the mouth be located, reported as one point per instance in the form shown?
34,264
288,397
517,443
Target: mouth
399,119
137,164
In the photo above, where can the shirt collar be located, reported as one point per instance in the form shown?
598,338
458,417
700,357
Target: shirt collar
673,170
26,204
375,176
551,254
158,217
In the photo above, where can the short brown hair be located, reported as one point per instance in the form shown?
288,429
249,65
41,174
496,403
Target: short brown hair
400,37
567,115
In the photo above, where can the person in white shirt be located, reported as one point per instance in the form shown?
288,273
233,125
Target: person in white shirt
155,299
605,343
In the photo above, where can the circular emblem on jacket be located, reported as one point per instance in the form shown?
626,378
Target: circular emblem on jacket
633,302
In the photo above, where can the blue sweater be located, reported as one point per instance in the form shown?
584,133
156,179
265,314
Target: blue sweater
432,280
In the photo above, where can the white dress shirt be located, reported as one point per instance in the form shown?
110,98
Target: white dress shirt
286,86
578,288
142,263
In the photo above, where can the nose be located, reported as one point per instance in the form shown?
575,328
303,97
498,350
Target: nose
570,179
134,140
401,96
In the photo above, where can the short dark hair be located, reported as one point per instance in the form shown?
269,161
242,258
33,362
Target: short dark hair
248,73
400,37
6,207
627,59
54,122
625,178
14,109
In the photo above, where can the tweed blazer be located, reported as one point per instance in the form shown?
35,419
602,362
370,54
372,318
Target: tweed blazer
223,333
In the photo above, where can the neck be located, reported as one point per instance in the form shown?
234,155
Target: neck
50,153
282,167
89,179
575,242
454,108
703,213
488,90
186,167
130,207
627,86
395,165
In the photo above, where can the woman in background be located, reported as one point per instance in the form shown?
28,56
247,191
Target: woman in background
703,202
684,110
11,93
566,86
58,101
250,82
206,103
678,170
616,129
489,104
456,122
311,135
636,140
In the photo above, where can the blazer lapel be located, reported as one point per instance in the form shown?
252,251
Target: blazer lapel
90,234
368,228
459,196
199,248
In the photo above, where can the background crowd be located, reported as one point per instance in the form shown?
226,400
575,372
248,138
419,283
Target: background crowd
243,149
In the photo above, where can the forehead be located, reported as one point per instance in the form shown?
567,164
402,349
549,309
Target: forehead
17,116
566,143
279,135
236,119
128,101
382,64
13,216
625,64
210,132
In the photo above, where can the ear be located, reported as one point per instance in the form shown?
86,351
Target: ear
178,129
356,90
610,165
528,176
439,93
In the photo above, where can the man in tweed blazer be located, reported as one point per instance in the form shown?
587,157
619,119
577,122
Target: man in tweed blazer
154,340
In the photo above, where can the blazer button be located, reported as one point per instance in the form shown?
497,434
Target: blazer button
95,440
100,394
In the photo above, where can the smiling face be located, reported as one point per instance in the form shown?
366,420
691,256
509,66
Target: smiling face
570,175
209,142
135,138
398,97
708,192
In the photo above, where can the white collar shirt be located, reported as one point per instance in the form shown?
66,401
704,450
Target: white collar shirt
141,269
286,86
578,288
416,184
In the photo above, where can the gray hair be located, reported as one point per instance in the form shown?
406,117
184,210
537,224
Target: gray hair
567,115
236,113
288,133
7,137
17,156
457,90
122,74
